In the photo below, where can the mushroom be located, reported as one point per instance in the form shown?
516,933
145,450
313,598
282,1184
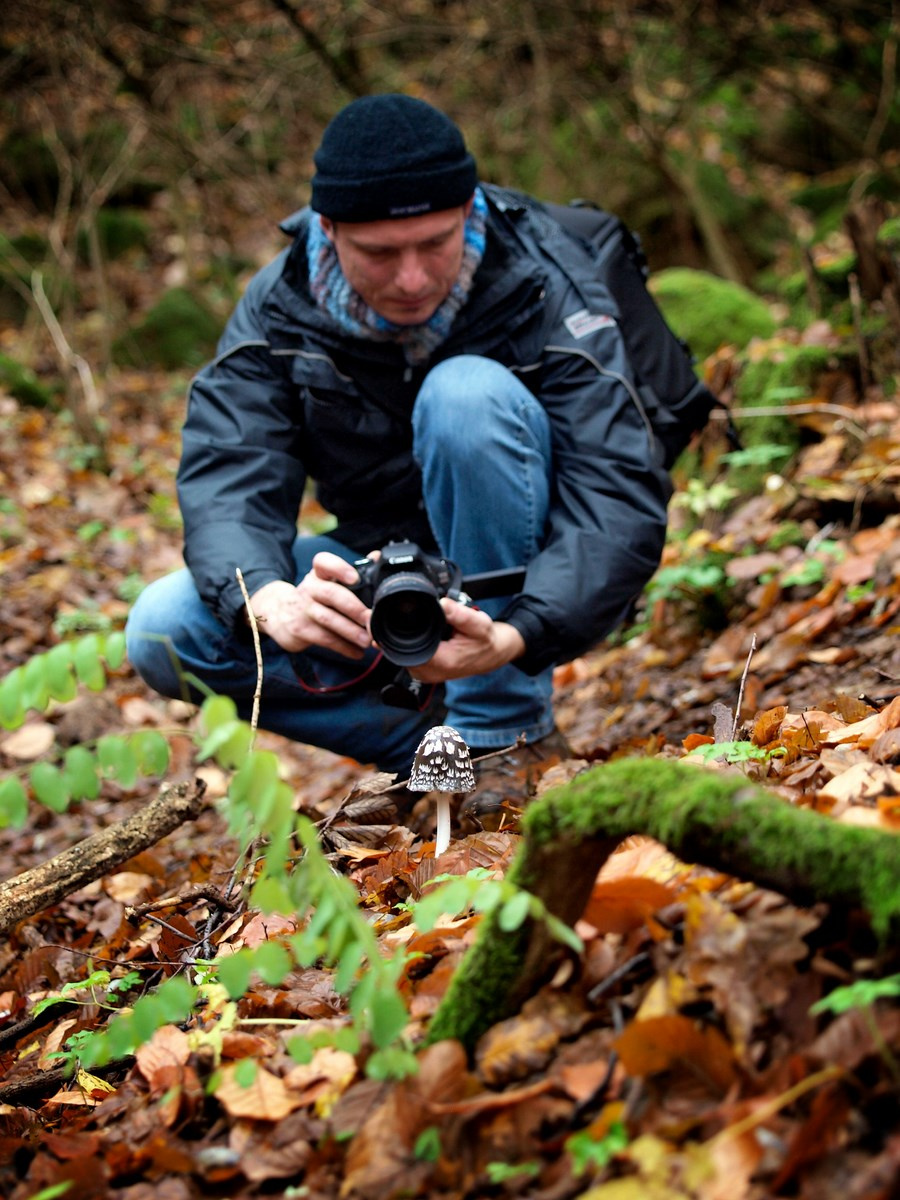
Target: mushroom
442,765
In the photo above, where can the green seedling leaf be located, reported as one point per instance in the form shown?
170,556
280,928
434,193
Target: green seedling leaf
861,994
300,1049
245,1072
118,760
271,895
114,649
428,1145
590,1152
514,912
501,1172
49,786
151,751
349,964
394,1062
13,803
88,665
736,752
35,688
228,744
387,1016
80,773
216,711
272,962
60,676
54,1190
234,973
12,705
176,999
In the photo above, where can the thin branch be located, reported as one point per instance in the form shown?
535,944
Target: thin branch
251,617
740,699
350,80
96,856
86,414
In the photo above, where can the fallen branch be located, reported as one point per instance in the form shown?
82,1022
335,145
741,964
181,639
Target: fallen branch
710,817
99,854
34,1089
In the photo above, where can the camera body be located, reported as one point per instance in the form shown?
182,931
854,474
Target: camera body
403,588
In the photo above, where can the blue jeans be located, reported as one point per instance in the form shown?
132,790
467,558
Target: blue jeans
483,443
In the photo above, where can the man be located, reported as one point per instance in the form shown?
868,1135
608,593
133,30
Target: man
439,358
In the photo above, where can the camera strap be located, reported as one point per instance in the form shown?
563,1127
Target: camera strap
401,691
405,692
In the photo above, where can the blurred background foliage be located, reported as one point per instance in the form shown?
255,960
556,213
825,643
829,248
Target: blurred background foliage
147,151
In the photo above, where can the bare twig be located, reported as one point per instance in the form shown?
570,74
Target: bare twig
190,897
848,415
251,617
86,412
740,699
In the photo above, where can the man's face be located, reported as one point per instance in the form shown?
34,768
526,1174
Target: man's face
403,268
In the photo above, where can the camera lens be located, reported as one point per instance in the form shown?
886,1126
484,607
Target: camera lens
407,620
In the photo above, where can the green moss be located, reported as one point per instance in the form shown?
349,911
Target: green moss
710,817
22,383
889,235
30,167
118,231
179,331
787,373
709,312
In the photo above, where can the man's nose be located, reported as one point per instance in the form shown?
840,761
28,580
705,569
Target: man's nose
411,276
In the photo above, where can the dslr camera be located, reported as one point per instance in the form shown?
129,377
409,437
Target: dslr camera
403,588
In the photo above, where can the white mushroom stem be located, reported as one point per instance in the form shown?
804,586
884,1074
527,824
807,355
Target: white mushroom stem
442,832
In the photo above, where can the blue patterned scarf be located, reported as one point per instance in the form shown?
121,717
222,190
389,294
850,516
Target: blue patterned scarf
334,294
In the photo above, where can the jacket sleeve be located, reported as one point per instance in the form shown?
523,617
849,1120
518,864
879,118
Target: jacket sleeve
241,479
607,522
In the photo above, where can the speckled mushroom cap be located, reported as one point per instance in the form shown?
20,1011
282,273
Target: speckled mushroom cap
442,763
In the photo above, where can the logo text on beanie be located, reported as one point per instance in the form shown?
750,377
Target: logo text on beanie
410,210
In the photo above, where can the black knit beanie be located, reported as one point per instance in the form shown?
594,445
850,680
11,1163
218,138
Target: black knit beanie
390,156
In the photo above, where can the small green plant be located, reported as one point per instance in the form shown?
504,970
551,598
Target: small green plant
56,676
501,1172
763,455
428,1145
54,1190
591,1153
82,620
699,585
700,498
736,752
292,876
479,892
100,986
863,994
813,570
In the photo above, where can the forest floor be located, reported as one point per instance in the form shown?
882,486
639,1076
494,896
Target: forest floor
774,627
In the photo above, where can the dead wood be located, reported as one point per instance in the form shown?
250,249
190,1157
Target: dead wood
99,854
713,818
34,1088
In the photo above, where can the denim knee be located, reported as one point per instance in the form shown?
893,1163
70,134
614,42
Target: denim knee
468,403
153,630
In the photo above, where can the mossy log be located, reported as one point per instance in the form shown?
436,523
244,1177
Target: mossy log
713,818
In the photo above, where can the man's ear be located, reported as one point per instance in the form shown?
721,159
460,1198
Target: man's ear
469,205
327,227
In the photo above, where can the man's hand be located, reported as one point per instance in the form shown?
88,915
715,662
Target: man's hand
319,611
478,645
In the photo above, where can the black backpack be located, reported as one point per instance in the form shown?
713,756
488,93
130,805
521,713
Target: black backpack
677,404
